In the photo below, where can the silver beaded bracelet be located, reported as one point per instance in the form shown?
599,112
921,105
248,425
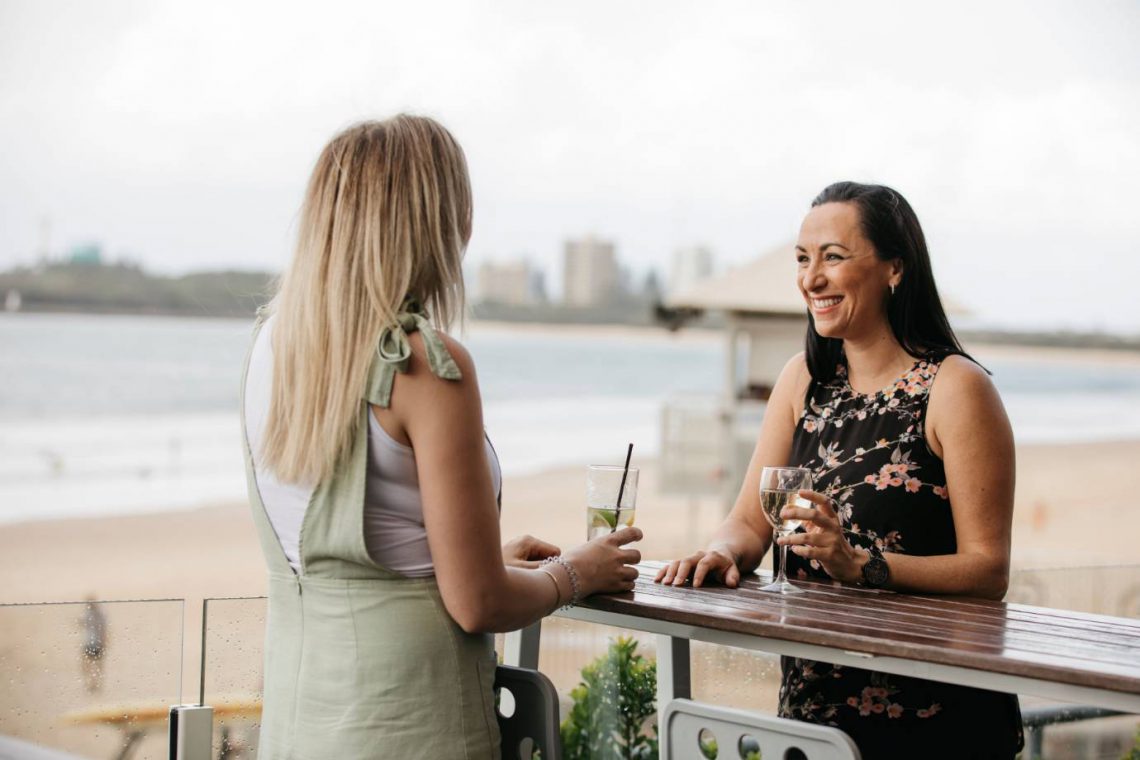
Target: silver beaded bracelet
575,585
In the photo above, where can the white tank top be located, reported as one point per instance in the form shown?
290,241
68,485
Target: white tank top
394,532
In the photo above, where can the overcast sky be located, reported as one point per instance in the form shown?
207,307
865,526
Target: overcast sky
181,134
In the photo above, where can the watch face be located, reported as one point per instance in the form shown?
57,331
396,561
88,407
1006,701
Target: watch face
876,571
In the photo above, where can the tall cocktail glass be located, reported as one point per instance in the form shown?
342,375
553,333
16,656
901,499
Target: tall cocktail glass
603,482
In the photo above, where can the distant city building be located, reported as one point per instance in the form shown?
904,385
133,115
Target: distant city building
514,283
690,266
651,287
591,276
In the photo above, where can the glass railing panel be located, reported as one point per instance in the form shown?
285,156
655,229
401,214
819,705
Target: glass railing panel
1076,736
89,679
233,637
732,677
606,683
1105,590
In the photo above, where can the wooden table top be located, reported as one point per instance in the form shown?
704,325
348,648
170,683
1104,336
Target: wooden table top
1075,648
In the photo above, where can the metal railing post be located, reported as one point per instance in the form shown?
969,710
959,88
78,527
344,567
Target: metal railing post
520,648
191,731
673,680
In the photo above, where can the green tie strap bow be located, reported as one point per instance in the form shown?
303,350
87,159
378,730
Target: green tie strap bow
394,351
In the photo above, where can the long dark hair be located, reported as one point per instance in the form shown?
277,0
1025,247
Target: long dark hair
914,310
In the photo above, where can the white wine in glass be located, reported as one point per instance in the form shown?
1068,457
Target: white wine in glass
773,502
779,488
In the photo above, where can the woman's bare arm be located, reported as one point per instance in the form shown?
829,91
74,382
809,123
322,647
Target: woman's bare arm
968,429
740,542
443,421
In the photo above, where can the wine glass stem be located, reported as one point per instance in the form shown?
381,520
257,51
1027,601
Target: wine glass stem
783,577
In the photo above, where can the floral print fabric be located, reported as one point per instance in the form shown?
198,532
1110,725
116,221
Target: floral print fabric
869,454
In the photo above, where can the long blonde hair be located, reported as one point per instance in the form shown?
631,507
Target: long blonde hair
386,217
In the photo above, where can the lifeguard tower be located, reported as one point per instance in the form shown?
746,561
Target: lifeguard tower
707,443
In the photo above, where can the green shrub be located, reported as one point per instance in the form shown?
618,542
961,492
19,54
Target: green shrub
612,704
1134,754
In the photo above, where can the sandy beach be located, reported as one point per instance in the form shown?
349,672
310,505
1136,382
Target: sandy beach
212,552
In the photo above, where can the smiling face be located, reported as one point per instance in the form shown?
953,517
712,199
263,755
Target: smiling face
844,283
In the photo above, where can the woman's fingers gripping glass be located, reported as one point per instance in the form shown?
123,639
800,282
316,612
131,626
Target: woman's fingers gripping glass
623,536
819,516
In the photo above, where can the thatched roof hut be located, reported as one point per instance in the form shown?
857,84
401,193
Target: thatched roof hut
763,287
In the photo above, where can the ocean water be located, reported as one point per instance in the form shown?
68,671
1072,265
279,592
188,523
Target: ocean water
109,414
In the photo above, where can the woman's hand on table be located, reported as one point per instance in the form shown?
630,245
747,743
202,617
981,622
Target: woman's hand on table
712,564
604,564
822,539
527,552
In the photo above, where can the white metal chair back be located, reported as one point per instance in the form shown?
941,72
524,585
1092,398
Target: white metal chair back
747,735
532,720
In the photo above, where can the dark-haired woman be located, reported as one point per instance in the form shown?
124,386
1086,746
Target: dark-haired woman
912,459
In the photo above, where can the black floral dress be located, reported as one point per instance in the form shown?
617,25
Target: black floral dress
869,453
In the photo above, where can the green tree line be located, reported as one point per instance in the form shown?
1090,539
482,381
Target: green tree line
128,289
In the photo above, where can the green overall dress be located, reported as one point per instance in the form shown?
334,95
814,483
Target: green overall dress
360,661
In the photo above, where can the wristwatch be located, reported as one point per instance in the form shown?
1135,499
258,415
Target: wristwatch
876,572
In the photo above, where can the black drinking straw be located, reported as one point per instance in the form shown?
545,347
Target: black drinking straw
621,488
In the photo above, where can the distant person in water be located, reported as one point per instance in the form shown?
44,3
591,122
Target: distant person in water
911,457
373,485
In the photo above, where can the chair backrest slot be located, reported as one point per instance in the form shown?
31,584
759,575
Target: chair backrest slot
690,726
527,713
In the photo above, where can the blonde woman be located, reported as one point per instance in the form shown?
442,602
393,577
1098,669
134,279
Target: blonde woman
372,483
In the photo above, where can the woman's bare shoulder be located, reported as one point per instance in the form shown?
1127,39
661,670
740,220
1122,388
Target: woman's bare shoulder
796,369
959,376
420,394
455,349
792,385
963,398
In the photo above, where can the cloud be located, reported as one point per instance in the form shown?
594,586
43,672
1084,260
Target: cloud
183,133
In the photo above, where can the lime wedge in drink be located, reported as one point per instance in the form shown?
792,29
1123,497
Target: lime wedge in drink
603,518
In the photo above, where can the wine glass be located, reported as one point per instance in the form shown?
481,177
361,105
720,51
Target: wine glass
779,488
